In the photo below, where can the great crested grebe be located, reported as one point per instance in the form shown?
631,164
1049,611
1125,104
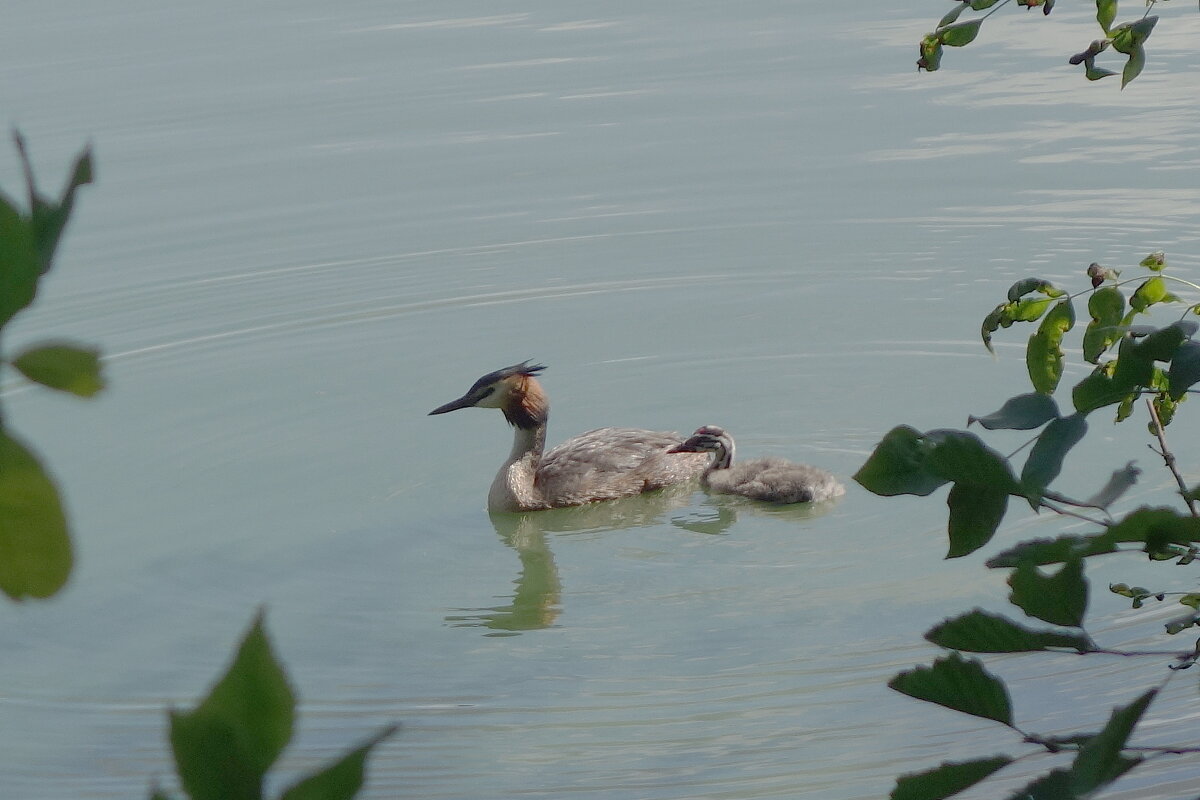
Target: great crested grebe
770,479
603,464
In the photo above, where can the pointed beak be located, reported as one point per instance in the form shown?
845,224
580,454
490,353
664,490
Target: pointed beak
683,447
453,405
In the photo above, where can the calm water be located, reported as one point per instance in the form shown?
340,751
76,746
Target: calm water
313,224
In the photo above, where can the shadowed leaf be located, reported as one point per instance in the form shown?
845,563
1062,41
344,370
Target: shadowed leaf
978,631
1060,599
947,780
1184,370
898,465
959,685
1021,413
1046,458
1117,485
35,548
975,513
963,458
1096,391
952,15
1054,785
1099,762
340,780
19,264
66,367
960,34
1053,551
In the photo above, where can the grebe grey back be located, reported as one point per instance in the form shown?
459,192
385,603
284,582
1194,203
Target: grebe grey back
602,464
770,479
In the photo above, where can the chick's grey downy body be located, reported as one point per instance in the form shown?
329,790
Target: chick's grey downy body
770,479
602,464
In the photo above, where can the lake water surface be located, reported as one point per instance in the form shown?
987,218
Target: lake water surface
313,223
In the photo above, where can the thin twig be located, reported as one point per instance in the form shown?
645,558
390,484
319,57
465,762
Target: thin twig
1169,459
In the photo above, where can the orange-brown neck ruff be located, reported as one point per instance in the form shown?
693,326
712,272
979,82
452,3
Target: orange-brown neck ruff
527,406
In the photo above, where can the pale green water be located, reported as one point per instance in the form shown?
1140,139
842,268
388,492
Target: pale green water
313,224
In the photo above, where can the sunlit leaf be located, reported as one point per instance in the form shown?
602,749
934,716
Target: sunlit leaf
340,780
1100,762
1029,309
66,367
1060,599
978,631
959,34
1106,307
1044,355
898,465
1156,261
226,744
1184,371
976,511
947,780
960,685
1154,290
1046,458
35,548
1021,413
931,53
1106,12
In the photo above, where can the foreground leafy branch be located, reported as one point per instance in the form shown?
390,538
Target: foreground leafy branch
225,746
1126,38
35,545
1130,359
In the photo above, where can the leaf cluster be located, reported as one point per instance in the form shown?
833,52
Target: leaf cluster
35,545
1129,360
225,746
1126,38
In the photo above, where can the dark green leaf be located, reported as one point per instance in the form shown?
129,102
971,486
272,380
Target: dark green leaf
1162,343
1184,370
19,264
1053,551
49,219
991,323
947,780
1059,599
1027,285
959,34
1106,307
245,722
898,465
959,685
156,793
963,458
1021,413
1044,355
1133,369
35,548
1096,391
1106,12
66,367
340,780
1099,762
1054,785
980,632
975,513
1046,459
1156,528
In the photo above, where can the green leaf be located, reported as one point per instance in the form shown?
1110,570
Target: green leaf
952,15
1162,344
1059,599
156,793
35,547
227,743
1029,309
340,780
1096,391
959,34
1028,285
1156,261
1133,369
1154,290
931,53
1155,528
1133,67
978,631
1184,370
1099,762
947,780
1106,12
1046,458
1044,355
960,685
898,465
63,366
1094,73
1053,551
49,219
980,5
963,458
1106,306
1054,785
976,512
992,322
1021,413
19,264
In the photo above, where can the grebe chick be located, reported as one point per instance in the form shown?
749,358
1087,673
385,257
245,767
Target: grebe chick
770,479
603,464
